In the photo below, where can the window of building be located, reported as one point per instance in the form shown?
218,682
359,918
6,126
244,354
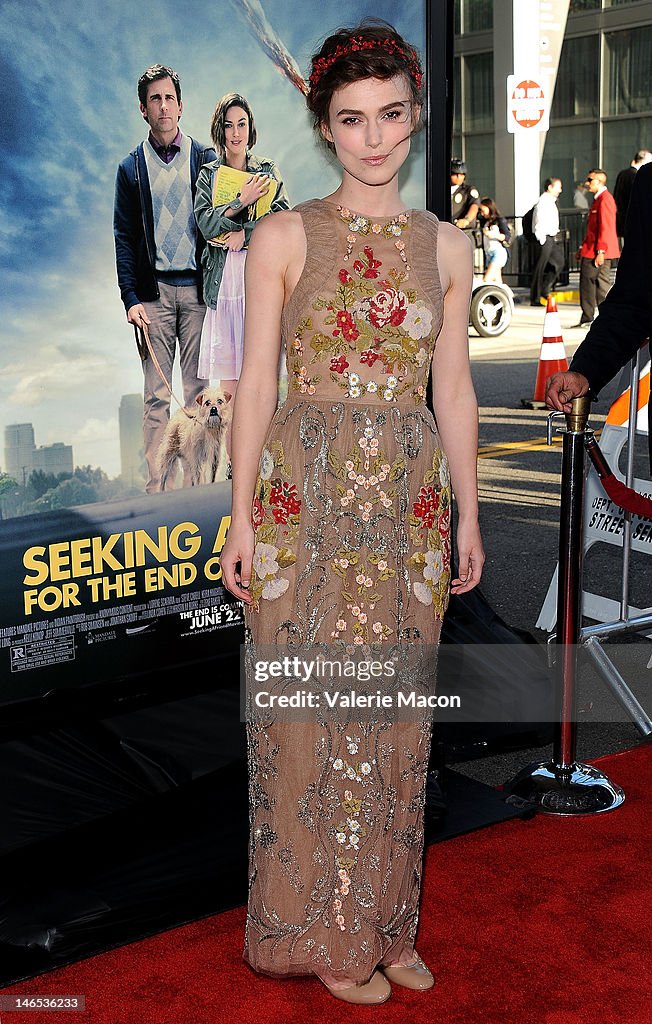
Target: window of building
621,139
628,88
583,5
570,153
478,91
473,16
578,81
479,156
479,15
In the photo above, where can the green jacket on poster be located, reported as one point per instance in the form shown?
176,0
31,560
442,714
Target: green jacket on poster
212,222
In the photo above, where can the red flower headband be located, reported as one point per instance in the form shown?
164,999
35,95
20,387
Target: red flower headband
355,44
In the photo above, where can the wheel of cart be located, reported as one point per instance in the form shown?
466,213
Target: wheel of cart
491,310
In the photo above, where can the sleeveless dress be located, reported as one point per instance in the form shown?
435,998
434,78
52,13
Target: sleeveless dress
352,526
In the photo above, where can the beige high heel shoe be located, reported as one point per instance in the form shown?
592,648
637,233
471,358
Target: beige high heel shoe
376,991
416,976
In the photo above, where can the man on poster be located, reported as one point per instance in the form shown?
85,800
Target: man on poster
158,250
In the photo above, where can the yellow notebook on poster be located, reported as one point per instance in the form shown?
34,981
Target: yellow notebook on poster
229,181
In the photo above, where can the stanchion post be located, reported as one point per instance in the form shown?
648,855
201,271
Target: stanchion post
569,593
564,785
629,480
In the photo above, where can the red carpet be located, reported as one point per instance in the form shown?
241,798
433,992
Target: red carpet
545,921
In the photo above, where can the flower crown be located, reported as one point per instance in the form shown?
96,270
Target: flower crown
357,43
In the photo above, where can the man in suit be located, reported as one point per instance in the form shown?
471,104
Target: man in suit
625,319
599,248
158,250
623,188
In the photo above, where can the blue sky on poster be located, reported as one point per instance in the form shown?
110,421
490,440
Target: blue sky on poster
68,76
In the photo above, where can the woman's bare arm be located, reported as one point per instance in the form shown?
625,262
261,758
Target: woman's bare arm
455,405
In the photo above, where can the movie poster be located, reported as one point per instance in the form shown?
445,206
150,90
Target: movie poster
100,579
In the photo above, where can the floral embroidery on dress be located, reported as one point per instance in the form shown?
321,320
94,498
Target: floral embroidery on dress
349,831
371,478
275,516
364,225
373,317
429,522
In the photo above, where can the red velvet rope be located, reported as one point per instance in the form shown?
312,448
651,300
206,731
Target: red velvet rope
623,496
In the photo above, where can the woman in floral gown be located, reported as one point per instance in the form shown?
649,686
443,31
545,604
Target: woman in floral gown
341,519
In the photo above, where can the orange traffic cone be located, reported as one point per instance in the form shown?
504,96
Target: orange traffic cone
552,358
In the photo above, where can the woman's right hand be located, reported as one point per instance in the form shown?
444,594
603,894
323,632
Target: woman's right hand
238,550
254,189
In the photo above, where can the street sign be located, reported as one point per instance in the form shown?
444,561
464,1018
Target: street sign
604,521
528,104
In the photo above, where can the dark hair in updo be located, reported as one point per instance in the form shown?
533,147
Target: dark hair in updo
331,71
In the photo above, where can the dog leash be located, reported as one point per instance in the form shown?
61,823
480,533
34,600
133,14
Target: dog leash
142,335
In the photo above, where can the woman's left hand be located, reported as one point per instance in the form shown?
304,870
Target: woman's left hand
234,240
470,555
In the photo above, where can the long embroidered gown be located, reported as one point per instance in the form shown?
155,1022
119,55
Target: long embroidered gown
352,520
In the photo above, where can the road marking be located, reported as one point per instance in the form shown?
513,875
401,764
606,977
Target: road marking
494,451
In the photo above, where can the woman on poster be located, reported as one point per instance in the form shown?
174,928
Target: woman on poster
227,229
340,531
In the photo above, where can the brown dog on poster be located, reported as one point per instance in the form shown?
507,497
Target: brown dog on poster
196,441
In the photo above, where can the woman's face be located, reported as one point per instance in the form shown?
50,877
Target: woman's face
485,211
369,124
236,132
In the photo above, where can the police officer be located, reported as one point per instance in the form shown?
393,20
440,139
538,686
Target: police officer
465,199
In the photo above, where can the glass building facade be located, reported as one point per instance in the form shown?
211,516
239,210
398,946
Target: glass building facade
602,107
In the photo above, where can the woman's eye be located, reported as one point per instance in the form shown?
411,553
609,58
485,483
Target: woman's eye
393,115
351,120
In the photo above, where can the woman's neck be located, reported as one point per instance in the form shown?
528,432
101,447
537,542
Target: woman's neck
238,164
370,200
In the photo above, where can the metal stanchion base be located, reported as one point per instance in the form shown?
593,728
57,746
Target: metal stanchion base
578,789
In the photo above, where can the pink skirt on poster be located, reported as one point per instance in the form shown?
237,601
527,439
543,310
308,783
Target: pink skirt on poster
222,335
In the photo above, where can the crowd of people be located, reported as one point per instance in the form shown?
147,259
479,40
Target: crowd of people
597,255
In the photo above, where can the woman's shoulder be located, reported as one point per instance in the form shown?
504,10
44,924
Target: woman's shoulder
308,223
261,164
452,238
212,165
429,226
446,235
426,218
282,227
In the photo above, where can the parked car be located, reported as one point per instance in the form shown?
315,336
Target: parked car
492,306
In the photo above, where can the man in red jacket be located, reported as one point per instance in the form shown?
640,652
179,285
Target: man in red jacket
599,248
